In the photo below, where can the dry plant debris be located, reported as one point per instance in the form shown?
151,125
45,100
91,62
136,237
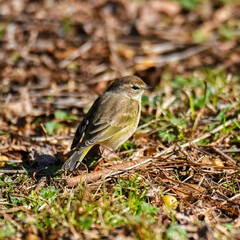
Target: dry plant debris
57,56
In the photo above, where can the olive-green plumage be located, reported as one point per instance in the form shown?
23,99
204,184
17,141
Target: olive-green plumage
112,119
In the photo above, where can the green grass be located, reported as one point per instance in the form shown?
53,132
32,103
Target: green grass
191,96
60,117
51,209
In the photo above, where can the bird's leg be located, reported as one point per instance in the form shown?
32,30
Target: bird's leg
98,164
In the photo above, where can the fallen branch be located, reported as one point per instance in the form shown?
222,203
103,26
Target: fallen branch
94,176
120,168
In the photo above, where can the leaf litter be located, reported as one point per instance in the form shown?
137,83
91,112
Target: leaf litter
56,57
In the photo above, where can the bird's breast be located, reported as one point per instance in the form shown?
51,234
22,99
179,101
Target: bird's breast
125,133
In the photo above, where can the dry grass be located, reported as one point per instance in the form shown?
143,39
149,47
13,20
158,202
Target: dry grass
187,144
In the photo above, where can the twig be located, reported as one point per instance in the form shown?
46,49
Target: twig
15,209
160,48
76,54
111,39
11,161
235,196
188,156
173,57
231,150
206,135
94,176
120,168
11,171
40,138
164,106
224,155
148,123
50,138
195,125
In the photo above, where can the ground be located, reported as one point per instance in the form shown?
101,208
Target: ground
178,177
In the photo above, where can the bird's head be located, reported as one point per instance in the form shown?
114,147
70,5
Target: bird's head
130,86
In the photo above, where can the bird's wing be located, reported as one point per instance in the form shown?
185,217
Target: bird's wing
108,115
81,130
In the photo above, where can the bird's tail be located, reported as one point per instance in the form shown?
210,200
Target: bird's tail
75,159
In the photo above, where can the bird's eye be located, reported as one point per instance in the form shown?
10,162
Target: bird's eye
135,87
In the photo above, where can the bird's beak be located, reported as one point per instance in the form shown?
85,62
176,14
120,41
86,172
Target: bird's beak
148,88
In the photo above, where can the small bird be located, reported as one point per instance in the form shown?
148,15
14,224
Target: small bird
112,119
